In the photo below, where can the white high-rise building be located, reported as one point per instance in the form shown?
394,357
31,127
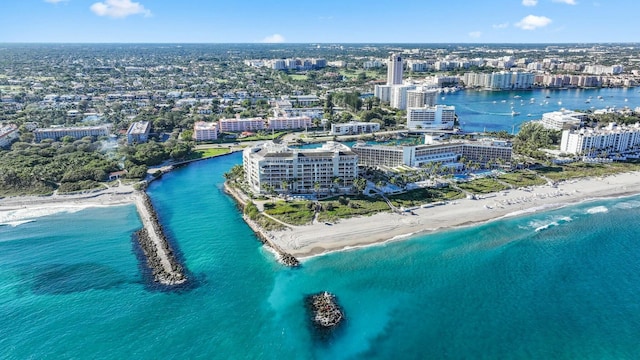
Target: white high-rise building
612,139
382,92
394,70
440,117
420,97
399,96
562,120
286,170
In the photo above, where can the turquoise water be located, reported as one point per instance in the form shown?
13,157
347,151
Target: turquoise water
561,284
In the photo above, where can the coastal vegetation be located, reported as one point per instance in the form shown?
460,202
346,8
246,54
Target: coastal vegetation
67,165
532,137
581,170
423,196
483,186
522,178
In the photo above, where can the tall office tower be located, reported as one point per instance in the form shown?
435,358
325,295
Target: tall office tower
394,70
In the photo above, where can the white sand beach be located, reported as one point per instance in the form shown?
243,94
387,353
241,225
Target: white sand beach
18,209
311,240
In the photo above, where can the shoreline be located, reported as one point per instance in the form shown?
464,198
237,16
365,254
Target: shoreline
313,240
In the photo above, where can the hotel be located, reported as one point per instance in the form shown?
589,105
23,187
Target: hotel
482,151
286,170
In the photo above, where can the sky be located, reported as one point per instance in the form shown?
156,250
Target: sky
325,21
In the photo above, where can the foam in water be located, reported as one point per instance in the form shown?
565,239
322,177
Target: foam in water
597,210
22,216
627,205
544,224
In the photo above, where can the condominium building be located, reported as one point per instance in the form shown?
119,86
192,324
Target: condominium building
204,131
276,166
440,117
8,133
382,92
283,123
612,139
482,151
562,120
241,124
75,132
394,70
420,97
502,80
354,127
399,96
138,132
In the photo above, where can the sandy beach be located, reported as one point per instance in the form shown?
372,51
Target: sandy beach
315,239
18,209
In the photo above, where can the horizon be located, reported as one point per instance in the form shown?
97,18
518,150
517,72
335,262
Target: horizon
287,21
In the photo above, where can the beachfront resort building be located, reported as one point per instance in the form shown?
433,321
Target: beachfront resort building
205,131
8,133
438,117
613,139
277,167
563,120
354,127
75,132
485,151
138,132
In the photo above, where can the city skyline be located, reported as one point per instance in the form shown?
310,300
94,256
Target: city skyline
286,21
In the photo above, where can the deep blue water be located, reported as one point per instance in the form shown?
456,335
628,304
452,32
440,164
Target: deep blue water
561,284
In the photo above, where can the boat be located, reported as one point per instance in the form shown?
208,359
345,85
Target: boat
504,101
514,113
532,100
548,97
587,101
517,97
529,115
599,96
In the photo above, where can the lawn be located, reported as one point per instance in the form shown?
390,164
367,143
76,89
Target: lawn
207,153
294,213
522,179
334,210
578,170
418,197
298,77
482,186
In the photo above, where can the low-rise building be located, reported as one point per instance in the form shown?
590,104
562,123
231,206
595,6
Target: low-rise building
8,133
613,139
562,120
484,152
354,127
241,124
284,123
270,166
75,132
138,132
205,131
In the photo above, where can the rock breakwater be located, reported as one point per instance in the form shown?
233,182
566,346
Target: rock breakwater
160,257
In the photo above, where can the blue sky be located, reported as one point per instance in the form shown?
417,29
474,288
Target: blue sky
325,21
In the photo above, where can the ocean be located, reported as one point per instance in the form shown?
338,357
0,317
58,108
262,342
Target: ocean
561,284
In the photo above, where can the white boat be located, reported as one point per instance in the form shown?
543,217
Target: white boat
587,101
514,113
517,97
529,115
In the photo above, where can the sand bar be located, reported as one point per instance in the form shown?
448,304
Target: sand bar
315,239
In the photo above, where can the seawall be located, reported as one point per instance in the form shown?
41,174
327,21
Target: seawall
160,257
282,256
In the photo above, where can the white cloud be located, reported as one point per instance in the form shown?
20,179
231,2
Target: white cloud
275,38
570,2
119,8
529,2
475,34
500,26
55,1
532,22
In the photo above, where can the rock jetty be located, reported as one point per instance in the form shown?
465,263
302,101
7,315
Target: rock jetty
160,257
326,312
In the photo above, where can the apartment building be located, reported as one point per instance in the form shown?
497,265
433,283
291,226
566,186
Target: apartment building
241,124
284,123
286,170
75,132
204,131
138,132
613,139
438,117
562,120
354,127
